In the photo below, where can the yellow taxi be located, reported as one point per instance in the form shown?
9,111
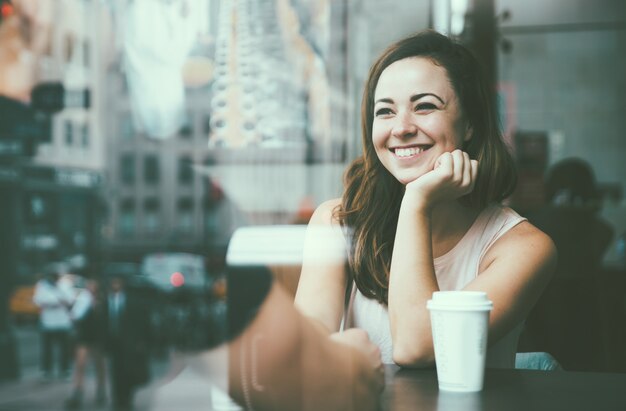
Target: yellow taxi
21,305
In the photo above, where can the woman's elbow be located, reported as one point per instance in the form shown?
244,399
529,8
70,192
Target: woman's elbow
413,356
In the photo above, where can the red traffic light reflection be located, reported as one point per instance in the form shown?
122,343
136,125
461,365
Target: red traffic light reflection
177,279
6,10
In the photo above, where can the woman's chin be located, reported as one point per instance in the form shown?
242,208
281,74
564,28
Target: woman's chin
407,178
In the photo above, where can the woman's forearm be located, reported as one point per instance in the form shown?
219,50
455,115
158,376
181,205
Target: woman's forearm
412,282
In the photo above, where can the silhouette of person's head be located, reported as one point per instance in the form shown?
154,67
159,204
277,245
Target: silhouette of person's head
571,183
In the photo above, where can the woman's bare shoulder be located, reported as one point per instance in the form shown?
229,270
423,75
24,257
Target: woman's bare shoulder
324,214
527,239
528,233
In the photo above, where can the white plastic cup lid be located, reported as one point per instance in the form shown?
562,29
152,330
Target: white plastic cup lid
459,300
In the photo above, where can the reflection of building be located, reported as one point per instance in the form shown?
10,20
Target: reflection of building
279,87
52,198
157,201
268,110
279,105
54,213
156,198
49,204
252,68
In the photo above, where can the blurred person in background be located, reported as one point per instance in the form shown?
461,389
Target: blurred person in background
565,321
571,218
421,210
55,303
89,321
128,339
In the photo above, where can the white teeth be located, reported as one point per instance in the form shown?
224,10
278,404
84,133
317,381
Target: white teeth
408,152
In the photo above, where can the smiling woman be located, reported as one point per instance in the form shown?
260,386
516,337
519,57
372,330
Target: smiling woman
421,208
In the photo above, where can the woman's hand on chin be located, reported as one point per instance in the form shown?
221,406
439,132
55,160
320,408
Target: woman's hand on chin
453,176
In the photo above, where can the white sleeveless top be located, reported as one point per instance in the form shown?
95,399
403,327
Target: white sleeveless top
453,270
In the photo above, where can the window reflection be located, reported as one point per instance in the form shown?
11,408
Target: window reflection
151,169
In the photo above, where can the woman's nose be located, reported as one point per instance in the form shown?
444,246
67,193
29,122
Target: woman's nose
404,126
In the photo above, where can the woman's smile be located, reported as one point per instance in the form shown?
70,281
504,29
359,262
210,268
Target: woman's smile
410,151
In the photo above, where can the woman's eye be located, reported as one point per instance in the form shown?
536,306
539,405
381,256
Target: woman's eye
425,106
383,111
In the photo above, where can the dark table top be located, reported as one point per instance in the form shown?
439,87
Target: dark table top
507,390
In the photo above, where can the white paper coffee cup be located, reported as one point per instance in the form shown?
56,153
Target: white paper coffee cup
460,321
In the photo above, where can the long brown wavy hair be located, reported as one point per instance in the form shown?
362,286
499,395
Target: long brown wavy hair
371,200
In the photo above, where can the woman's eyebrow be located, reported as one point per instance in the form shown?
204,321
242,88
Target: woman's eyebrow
419,96
384,100
412,99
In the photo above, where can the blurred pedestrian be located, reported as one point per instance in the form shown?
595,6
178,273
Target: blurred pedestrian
55,323
128,337
89,321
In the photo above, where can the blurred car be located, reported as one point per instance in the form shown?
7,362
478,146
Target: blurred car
21,305
172,272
